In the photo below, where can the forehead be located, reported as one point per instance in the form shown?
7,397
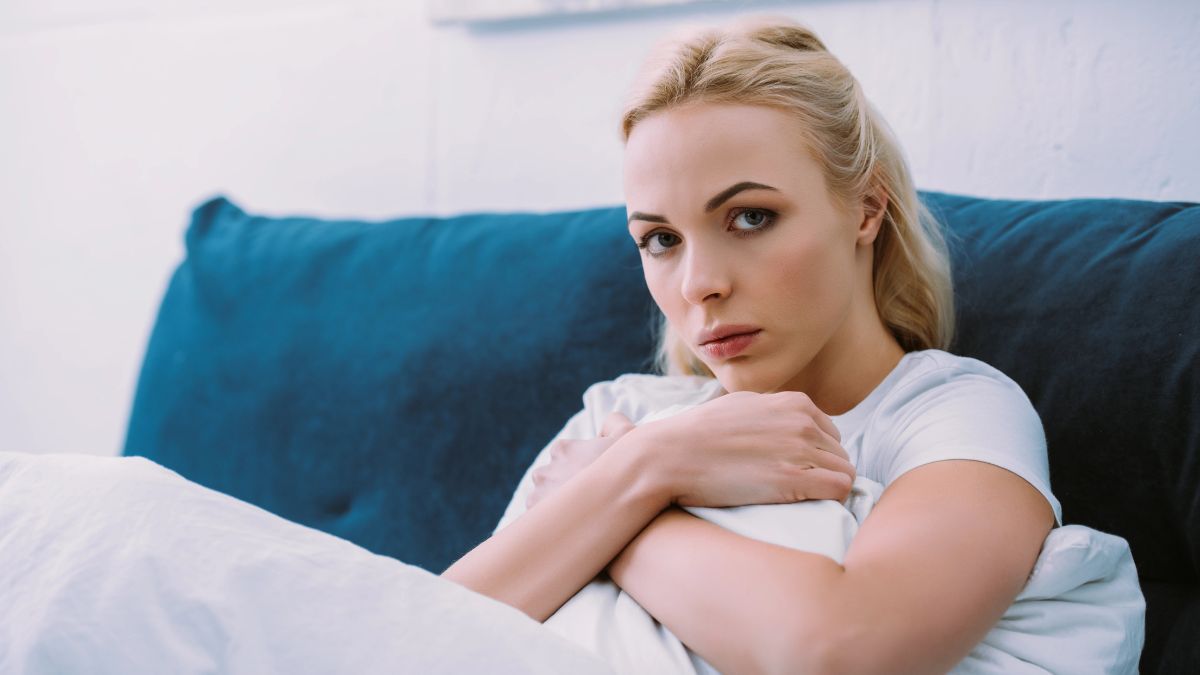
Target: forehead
690,153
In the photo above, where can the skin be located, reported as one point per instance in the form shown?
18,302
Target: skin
805,279
943,553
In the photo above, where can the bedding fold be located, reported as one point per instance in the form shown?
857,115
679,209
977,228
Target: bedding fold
119,565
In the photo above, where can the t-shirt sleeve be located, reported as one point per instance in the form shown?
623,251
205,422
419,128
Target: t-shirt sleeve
953,413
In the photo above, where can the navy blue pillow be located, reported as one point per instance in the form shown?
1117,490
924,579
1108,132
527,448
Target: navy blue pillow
385,382
1091,306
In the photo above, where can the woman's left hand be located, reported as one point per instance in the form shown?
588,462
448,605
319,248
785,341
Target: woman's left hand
570,456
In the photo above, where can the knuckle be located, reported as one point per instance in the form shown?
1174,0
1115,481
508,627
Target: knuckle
836,484
793,403
738,396
837,433
844,485
798,399
809,428
849,469
798,493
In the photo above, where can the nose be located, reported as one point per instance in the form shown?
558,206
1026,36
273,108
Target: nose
705,275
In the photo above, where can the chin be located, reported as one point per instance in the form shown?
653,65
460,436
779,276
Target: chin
739,375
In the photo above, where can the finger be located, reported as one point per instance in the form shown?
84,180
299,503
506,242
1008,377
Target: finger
827,460
562,448
826,423
615,424
801,400
816,457
823,484
831,445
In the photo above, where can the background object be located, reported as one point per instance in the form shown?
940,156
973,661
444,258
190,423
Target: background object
449,11
125,113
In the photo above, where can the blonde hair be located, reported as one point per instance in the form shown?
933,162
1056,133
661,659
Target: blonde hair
782,64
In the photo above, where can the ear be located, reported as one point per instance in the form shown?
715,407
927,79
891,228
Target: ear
875,206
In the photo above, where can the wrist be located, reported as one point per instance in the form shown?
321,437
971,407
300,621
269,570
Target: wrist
641,457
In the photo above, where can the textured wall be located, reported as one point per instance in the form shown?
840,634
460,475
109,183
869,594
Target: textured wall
119,115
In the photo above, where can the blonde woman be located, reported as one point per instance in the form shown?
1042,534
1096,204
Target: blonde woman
806,301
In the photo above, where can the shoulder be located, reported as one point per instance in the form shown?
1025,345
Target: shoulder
933,366
933,379
945,406
637,395
942,393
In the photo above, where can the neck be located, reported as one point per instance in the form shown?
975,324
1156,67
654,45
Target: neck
858,357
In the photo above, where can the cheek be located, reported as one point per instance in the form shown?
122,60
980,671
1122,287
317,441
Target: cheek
664,289
804,281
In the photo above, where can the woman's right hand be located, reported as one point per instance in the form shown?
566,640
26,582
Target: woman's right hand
749,448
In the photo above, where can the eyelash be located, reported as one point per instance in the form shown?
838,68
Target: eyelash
644,243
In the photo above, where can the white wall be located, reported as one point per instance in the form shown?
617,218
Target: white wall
118,116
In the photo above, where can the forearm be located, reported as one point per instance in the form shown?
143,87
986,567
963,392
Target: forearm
743,605
544,557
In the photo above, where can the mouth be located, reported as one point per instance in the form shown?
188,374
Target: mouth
722,331
730,345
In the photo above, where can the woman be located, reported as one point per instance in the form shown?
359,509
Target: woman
801,280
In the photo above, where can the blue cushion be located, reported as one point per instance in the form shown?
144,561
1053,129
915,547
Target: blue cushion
389,382
385,382
1090,305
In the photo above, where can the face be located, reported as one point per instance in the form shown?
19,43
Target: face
739,230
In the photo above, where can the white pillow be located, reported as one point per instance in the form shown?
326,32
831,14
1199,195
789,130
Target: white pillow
118,565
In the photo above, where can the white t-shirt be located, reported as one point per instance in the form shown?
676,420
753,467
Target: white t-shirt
932,406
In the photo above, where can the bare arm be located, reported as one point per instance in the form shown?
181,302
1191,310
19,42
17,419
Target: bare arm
544,557
934,566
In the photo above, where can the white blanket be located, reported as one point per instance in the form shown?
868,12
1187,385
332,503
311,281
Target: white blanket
117,565
1081,611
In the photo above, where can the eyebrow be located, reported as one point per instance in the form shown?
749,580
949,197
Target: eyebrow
717,200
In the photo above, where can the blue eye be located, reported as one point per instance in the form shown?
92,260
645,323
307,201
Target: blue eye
755,220
663,246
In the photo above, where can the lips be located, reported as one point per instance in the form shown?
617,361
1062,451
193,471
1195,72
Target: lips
725,341
720,332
